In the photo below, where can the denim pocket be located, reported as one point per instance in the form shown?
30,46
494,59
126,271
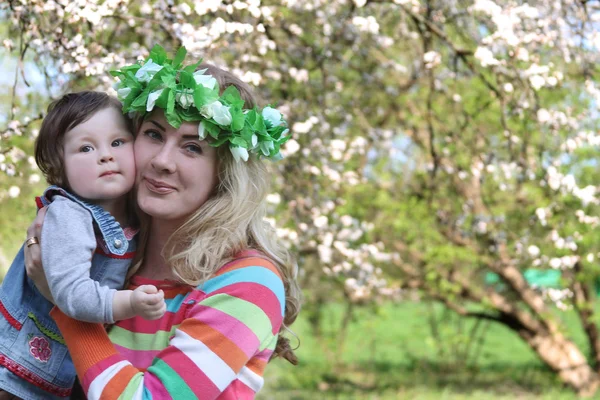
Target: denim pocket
38,349
8,331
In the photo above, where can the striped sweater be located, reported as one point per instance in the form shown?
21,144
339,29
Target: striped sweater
213,342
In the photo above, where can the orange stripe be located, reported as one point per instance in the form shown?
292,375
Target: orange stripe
257,365
83,332
220,344
172,293
250,262
116,386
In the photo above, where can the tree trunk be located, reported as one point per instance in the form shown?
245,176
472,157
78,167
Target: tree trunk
566,359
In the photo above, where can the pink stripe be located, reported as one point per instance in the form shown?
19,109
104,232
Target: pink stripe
139,358
97,369
155,386
258,295
231,327
164,323
189,372
241,391
264,355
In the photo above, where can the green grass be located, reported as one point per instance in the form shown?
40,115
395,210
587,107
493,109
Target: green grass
391,354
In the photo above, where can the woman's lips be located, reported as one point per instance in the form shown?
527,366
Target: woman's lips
158,187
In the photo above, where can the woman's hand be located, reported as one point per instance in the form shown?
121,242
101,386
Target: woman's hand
33,256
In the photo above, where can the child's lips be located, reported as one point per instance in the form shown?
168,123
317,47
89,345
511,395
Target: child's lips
109,173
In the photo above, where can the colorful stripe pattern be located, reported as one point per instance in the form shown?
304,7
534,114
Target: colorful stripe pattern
213,343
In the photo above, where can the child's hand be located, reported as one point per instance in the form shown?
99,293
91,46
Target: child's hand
148,302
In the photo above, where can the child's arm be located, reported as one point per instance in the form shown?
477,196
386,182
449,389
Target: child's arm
145,301
68,243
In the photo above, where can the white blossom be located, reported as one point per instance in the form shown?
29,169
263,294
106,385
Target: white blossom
533,251
14,191
485,57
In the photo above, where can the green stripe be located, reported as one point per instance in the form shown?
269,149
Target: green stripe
249,314
54,336
141,341
269,342
132,386
174,384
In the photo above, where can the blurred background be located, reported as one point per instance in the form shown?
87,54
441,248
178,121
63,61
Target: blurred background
440,188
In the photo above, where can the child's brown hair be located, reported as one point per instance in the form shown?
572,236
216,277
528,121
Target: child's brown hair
63,115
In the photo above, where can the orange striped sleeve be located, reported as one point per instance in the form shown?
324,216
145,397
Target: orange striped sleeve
116,386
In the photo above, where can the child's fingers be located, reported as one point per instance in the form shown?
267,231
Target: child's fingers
148,289
156,314
153,299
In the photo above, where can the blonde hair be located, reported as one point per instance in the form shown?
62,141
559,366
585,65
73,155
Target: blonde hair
232,220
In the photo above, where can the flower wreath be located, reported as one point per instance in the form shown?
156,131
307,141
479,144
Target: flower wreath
189,95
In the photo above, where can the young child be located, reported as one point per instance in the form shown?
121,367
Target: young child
85,150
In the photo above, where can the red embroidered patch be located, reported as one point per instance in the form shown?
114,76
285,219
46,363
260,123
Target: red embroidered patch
40,349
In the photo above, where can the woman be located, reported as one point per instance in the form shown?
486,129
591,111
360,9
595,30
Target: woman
229,285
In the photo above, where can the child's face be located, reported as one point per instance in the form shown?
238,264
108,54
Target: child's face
98,157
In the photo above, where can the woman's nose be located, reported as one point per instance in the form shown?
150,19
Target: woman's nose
163,162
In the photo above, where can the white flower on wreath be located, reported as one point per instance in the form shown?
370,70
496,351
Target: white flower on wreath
272,115
152,97
201,131
239,153
266,147
218,112
205,80
184,99
147,71
123,93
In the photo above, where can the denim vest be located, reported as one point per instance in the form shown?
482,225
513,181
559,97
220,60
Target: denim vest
34,361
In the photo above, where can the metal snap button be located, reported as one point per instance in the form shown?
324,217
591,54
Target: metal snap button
118,243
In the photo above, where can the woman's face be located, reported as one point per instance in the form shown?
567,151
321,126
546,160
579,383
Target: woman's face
176,172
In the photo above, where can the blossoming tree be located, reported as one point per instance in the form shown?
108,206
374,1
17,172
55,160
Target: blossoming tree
434,142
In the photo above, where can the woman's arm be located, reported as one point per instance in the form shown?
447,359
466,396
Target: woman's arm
237,317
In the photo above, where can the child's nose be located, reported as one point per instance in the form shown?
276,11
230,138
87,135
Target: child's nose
106,157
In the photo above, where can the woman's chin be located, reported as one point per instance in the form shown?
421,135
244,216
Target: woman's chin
154,207
161,209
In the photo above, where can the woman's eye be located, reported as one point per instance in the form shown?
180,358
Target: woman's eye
193,148
153,135
117,143
86,149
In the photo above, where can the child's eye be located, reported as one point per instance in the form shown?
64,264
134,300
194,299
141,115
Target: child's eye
117,143
86,149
